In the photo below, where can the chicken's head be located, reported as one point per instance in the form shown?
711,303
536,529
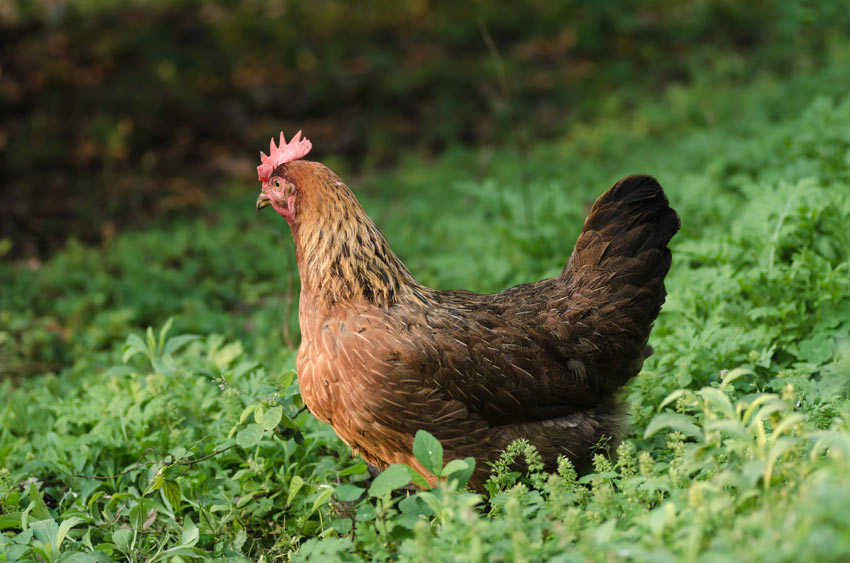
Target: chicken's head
278,191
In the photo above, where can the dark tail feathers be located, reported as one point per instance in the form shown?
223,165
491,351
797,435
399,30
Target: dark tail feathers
616,273
625,236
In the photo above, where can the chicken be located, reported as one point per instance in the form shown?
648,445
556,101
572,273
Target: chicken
383,356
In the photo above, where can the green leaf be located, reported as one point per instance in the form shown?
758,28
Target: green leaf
460,470
176,343
787,424
158,480
160,365
177,554
433,503
659,518
418,479
414,505
322,498
122,538
454,466
341,525
134,345
46,531
348,493
287,422
354,469
224,356
763,405
119,371
137,515
817,349
294,486
428,451
365,511
249,436
247,412
776,451
602,534
162,334
189,533
752,471
718,399
734,374
730,427
286,379
40,510
240,539
393,477
11,520
171,489
151,342
672,397
675,421
271,418
65,527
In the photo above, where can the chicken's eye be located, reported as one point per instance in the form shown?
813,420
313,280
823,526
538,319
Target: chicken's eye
277,185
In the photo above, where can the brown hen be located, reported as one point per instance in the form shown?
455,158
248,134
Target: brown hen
383,356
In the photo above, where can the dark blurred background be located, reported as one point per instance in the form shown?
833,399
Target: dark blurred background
115,113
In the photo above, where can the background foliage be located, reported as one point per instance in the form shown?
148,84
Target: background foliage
188,440
117,112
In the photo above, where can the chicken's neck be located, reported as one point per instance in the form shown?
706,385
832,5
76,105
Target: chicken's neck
343,256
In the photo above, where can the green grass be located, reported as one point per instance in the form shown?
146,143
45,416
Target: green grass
740,423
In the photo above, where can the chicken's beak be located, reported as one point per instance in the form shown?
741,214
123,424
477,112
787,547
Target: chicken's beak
262,201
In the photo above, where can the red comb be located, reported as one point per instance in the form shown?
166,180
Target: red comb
281,154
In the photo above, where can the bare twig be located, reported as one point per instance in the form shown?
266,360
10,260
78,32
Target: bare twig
139,464
497,58
516,135
189,462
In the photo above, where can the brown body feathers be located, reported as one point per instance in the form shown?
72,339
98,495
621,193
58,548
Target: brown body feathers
383,356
